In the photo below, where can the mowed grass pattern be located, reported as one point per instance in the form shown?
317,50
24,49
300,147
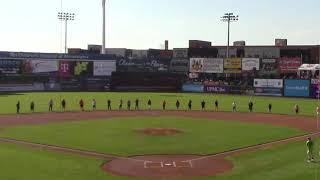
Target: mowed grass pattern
118,136
280,105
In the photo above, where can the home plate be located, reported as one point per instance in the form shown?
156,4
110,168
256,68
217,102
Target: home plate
168,164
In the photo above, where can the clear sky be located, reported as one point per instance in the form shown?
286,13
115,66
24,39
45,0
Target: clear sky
32,25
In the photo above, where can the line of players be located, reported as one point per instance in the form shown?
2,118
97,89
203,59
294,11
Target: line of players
149,105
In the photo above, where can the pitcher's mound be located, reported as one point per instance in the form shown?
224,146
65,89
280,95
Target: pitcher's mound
168,167
159,131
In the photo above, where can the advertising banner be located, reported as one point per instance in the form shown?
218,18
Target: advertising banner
216,89
10,66
206,65
296,88
41,66
104,68
83,68
21,87
142,65
232,65
250,64
192,88
179,65
269,67
266,91
289,65
315,88
268,83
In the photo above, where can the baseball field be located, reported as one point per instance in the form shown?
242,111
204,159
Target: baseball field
156,144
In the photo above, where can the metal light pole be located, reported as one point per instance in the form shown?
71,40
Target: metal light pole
229,17
66,17
103,49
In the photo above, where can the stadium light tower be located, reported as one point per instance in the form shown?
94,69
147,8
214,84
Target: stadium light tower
103,49
66,17
229,17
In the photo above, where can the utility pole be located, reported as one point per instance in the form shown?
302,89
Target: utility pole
103,48
229,17
66,17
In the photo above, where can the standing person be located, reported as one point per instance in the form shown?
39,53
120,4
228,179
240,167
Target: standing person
164,103
81,103
109,105
137,104
178,104
120,104
250,106
310,146
94,104
18,107
203,105
318,110
32,106
296,109
149,104
129,105
190,105
270,108
50,105
234,107
63,104
216,104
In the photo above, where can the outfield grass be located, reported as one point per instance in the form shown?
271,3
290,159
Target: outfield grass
117,136
280,105
285,162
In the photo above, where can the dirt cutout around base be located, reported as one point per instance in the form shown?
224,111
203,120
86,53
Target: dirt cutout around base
159,131
168,167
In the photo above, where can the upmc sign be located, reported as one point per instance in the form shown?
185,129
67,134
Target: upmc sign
296,88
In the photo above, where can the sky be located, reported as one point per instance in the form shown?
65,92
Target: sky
33,25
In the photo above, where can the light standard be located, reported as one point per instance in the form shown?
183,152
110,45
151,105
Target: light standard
103,49
66,17
229,17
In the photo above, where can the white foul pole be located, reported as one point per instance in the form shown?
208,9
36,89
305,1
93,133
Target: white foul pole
103,49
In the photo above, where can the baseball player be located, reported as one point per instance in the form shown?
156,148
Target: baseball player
32,106
310,146
63,104
94,104
129,105
318,110
250,105
234,107
136,104
164,104
270,108
178,104
203,105
149,104
190,104
81,103
18,107
109,104
120,104
50,105
216,103
296,108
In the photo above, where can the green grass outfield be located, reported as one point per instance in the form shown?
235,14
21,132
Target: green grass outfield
285,162
118,136
280,105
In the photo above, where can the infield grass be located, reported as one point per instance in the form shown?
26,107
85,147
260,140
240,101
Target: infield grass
284,162
117,136
280,105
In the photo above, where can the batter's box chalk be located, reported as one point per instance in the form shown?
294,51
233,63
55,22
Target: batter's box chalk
183,164
153,165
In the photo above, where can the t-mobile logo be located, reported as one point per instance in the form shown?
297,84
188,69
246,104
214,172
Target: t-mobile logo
64,67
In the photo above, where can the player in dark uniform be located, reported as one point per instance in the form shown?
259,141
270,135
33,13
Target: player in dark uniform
136,104
50,105
203,105
129,105
270,108
109,104
63,104
120,104
250,105
216,103
190,105
18,107
149,104
164,103
81,103
32,106
310,147
178,104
